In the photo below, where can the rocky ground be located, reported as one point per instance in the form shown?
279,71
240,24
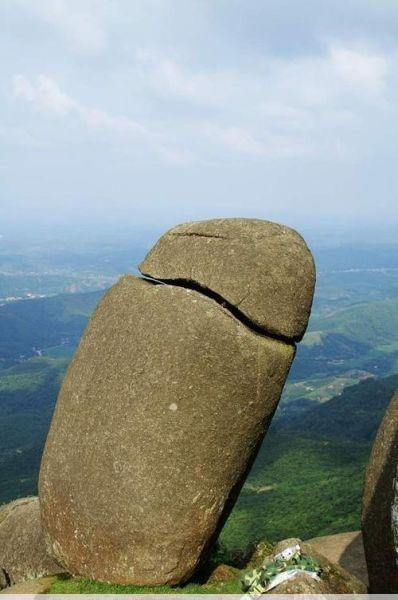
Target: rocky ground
340,556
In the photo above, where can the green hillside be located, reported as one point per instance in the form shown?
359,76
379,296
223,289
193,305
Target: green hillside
30,325
307,479
354,415
360,337
27,397
373,323
299,487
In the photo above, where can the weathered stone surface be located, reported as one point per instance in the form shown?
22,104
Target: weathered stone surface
42,585
263,269
160,414
302,584
338,579
378,538
394,515
333,578
345,549
23,553
223,573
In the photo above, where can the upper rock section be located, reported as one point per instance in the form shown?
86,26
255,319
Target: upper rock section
263,269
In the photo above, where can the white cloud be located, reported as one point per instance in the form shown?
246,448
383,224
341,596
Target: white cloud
79,26
245,117
276,108
363,71
46,95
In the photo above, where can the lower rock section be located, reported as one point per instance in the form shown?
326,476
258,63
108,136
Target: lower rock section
344,549
338,579
42,585
159,418
22,550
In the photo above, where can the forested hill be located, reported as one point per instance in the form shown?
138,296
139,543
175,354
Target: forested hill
30,326
354,415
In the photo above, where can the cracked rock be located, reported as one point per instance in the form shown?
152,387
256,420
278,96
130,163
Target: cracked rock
157,423
264,269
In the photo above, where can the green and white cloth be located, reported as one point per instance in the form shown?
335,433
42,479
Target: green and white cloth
282,567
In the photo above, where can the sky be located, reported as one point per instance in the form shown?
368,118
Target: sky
143,112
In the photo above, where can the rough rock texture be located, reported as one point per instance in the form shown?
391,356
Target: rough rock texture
42,585
302,584
23,553
378,538
394,514
223,573
338,579
345,549
159,417
333,579
263,269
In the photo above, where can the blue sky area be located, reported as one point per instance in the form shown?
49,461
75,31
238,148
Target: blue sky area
160,111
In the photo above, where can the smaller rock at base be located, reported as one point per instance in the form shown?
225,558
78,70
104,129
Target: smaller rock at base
345,549
333,575
302,584
22,551
286,547
223,573
33,586
333,578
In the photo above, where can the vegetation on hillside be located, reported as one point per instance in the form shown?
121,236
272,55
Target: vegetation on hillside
30,326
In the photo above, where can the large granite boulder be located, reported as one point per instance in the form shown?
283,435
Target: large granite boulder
264,270
379,506
23,553
159,418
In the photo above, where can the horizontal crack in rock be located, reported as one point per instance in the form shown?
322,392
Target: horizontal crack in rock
196,234
231,308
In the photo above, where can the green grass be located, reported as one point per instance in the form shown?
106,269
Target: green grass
80,585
